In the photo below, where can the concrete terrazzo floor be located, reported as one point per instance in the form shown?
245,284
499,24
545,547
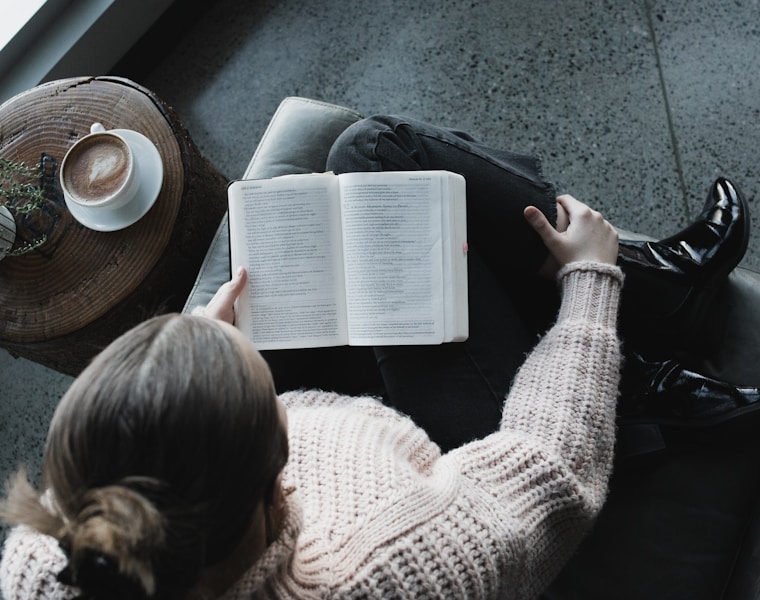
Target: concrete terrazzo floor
635,107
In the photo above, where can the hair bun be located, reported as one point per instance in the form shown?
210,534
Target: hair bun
110,544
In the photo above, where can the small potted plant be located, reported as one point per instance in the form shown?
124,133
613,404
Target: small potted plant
18,196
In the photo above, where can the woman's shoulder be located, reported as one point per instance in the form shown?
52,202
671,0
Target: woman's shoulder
354,433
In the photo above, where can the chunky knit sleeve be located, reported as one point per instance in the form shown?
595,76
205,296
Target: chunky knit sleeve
29,566
549,465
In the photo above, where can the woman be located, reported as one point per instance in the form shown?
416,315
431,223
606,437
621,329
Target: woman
164,463
166,467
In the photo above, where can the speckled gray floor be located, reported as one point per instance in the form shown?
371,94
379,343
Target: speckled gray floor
635,106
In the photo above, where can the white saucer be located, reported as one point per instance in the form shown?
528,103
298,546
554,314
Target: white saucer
151,170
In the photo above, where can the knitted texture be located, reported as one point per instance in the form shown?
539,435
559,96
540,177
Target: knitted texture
378,512
29,567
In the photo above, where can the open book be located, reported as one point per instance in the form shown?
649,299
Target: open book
363,259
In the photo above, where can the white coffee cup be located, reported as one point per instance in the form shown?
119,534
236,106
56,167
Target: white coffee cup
99,171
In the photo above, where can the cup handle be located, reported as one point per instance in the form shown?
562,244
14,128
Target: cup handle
97,128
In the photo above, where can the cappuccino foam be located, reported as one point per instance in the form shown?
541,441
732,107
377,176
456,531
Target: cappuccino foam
97,168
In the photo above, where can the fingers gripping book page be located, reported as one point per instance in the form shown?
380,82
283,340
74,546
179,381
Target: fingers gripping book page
286,232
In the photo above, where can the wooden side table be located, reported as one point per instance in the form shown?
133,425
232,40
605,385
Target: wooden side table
62,303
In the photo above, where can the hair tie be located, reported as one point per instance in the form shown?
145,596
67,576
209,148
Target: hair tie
97,575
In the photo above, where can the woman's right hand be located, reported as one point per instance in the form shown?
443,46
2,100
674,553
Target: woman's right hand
588,236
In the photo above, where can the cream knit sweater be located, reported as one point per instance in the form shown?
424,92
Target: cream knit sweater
377,512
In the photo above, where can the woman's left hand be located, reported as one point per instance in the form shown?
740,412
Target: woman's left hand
222,305
588,235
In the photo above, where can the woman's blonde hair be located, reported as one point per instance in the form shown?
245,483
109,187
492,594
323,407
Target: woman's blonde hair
157,457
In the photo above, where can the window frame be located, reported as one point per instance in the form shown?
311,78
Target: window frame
70,38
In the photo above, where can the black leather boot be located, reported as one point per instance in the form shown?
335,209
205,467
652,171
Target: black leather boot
668,394
706,250
669,283
665,408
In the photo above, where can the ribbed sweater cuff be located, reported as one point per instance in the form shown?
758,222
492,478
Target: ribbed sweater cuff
590,292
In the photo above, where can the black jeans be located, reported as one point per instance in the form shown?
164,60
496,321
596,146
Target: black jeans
454,391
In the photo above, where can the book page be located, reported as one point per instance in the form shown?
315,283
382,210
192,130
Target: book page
286,232
393,260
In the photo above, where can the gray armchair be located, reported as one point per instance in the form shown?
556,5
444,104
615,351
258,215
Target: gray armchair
686,526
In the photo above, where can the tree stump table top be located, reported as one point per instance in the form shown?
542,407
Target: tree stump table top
79,276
